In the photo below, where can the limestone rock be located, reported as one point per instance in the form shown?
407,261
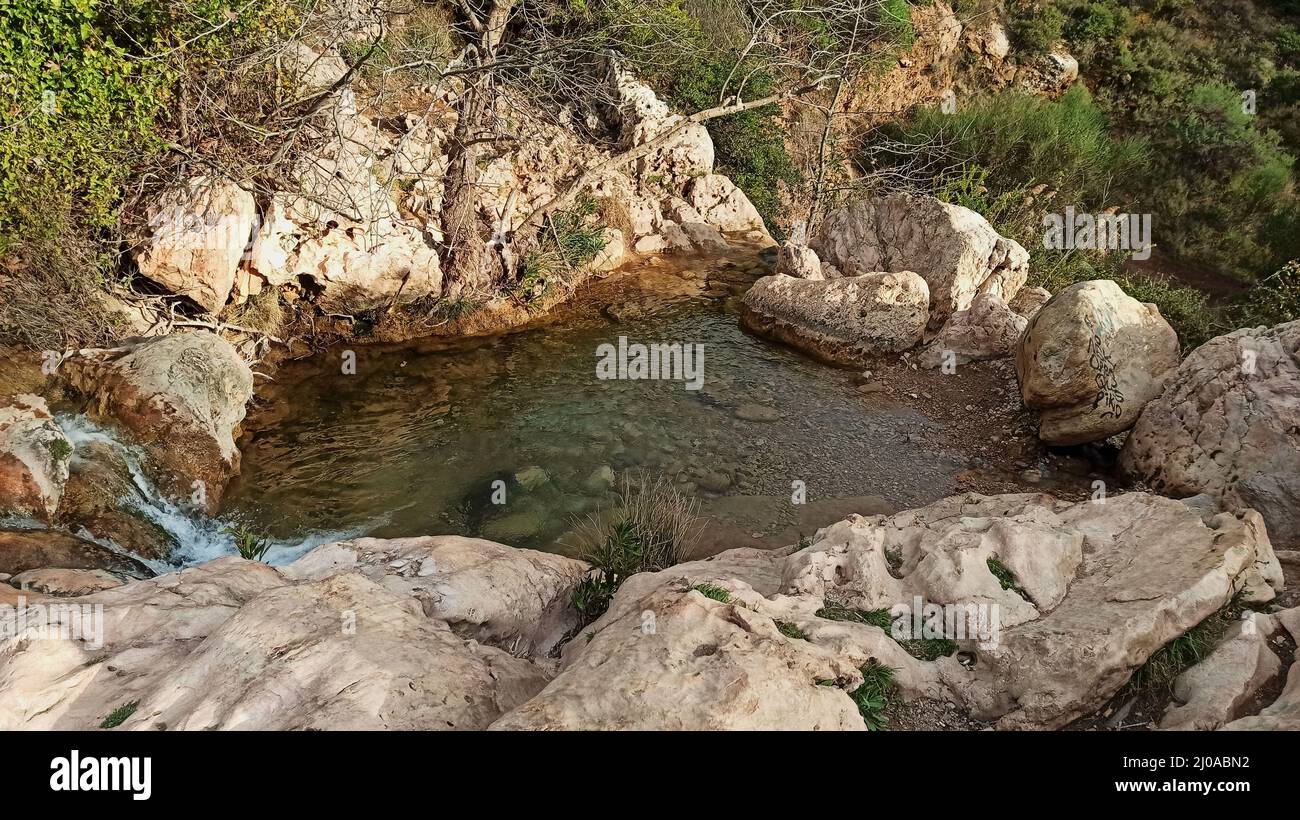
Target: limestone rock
1030,300
841,320
102,498
23,550
1090,359
1213,692
66,582
181,397
672,658
1050,74
952,248
1226,424
724,205
34,455
393,668
1098,587
988,329
506,596
197,235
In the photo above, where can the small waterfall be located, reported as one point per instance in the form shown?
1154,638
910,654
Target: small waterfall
199,538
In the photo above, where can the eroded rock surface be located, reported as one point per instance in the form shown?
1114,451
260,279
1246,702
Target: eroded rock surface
1090,359
840,320
34,456
1226,423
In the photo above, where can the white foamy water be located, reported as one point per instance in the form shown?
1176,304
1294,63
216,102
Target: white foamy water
199,537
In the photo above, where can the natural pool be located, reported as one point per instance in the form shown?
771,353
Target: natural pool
426,438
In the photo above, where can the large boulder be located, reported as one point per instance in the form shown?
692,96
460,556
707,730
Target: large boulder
34,455
1226,424
1095,587
955,250
840,320
515,598
181,397
197,235
205,648
1090,359
1217,690
671,658
988,329
362,658
725,206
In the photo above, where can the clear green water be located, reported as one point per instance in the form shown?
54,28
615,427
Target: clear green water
412,443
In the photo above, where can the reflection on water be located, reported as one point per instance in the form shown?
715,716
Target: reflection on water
413,442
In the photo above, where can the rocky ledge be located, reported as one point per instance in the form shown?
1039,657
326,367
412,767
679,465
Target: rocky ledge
458,633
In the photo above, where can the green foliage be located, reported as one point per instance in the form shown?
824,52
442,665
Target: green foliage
1271,301
1037,29
1006,578
927,649
791,631
249,546
875,694
119,715
716,593
570,240
1164,666
651,528
60,449
749,147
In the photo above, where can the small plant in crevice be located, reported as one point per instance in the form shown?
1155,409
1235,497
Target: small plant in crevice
791,631
926,649
652,527
1006,578
119,715
249,546
1164,666
60,449
876,693
716,593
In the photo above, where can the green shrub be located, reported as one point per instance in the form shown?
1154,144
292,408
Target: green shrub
713,592
875,694
749,146
1037,29
249,546
1271,301
119,715
652,527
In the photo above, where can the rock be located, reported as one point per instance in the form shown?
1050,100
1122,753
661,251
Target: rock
146,629
23,550
757,412
704,238
612,255
1283,714
600,480
66,582
531,478
102,498
644,117
312,70
363,658
1090,359
1105,586
952,248
34,456
670,658
1214,691
1226,424
988,329
799,261
358,268
206,649
840,320
724,206
654,243
181,397
1049,74
514,598
1030,300
197,235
